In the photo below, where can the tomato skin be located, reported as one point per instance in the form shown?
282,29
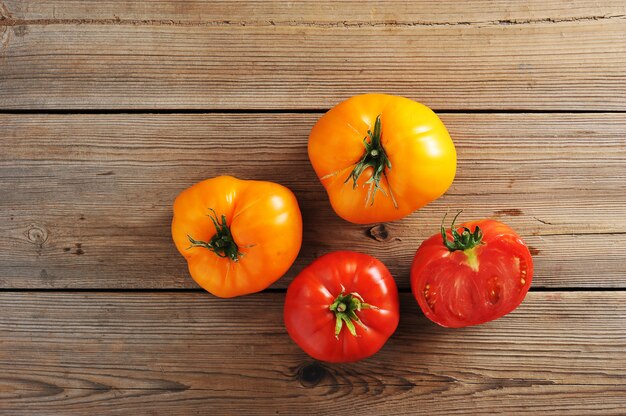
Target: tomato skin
310,322
420,151
454,293
264,220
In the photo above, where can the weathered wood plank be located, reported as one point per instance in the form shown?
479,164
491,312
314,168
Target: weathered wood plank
311,11
86,199
178,354
575,64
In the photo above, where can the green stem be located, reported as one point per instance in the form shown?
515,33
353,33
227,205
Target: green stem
222,243
345,308
467,241
373,157
464,241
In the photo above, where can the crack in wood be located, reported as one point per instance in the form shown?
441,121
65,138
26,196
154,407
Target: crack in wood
7,20
543,221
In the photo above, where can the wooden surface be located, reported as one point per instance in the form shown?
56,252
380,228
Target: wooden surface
181,353
153,57
559,179
315,11
109,108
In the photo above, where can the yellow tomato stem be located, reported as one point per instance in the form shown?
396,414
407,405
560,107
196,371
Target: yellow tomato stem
374,157
222,243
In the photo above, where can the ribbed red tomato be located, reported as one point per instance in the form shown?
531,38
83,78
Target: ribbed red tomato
343,307
482,273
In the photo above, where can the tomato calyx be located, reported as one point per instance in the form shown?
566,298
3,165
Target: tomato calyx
467,240
345,308
222,243
376,158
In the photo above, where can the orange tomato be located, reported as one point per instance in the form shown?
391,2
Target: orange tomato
381,157
238,236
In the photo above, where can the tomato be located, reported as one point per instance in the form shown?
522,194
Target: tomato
381,157
342,307
238,236
477,273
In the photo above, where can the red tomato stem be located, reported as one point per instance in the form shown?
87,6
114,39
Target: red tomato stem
345,307
472,258
464,241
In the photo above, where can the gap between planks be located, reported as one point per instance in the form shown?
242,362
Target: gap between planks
8,21
200,111
540,289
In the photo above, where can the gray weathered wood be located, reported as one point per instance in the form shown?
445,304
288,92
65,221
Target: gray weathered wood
86,199
546,62
190,353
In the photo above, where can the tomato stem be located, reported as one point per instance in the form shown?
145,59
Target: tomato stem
472,258
373,157
222,243
345,308
464,241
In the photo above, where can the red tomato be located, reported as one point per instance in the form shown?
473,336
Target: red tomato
483,273
343,307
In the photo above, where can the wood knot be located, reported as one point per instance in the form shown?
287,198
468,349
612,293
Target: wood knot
37,235
78,250
310,375
379,233
20,31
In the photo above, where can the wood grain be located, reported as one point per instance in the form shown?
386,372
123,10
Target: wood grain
540,65
184,353
86,199
310,11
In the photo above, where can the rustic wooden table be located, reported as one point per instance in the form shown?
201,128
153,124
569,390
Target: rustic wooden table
110,108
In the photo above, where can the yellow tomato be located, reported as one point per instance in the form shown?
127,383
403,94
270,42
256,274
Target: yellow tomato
238,236
381,157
